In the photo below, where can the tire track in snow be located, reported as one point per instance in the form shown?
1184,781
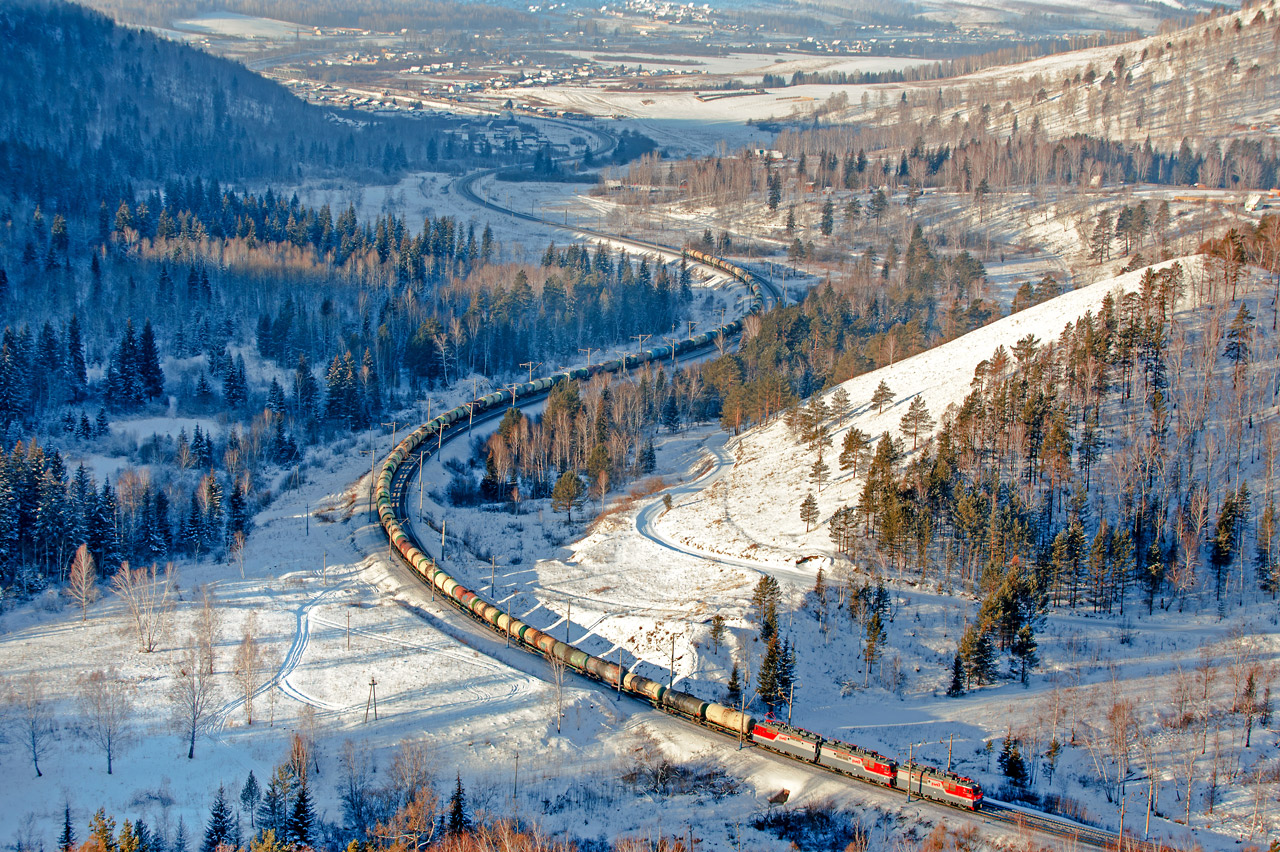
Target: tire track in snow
292,657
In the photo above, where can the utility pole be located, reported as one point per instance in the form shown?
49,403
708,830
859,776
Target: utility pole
493,567
568,619
910,751
348,628
531,365
471,414
620,672
790,700
373,700
513,389
672,341
588,350
671,676
324,569
392,424
421,456
950,740
640,339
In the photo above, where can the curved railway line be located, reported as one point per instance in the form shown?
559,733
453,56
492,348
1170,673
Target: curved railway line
390,492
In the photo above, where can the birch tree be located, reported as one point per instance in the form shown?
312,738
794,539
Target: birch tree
149,599
34,714
82,584
106,702
192,696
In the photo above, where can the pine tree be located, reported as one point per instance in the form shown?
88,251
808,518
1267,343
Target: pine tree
764,602
128,840
457,821
818,473
218,831
102,831
855,446
842,528
1023,651
809,511
568,494
916,420
882,396
875,639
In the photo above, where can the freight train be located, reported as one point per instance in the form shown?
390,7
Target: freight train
850,760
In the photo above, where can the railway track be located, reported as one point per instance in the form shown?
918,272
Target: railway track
397,472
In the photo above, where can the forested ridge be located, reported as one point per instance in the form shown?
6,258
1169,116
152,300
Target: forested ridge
90,110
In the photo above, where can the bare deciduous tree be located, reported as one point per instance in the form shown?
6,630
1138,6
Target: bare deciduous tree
557,688
192,696
237,550
34,716
207,623
413,769
106,701
248,666
82,584
148,597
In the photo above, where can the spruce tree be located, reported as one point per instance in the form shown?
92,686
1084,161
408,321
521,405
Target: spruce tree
767,682
734,694
956,687
457,821
273,812
218,831
67,839
670,414
302,816
250,796
179,837
149,371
